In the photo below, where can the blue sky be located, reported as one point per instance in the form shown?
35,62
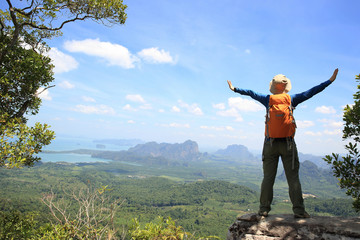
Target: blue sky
162,76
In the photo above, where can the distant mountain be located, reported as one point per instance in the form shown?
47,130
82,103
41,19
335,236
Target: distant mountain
308,170
237,152
315,159
313,177
188,151
240,152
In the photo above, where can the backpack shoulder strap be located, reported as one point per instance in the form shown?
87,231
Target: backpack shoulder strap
291,109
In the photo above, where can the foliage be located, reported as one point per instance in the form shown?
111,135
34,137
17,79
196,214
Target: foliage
92,217
23,72
61,232
43,19
162,192
352,117
347,169
20,143
14,225
70,231
164,229
26,70
202,207
330,207
207,212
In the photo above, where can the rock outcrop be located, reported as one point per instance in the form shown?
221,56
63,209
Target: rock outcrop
187,151
286,227
237,152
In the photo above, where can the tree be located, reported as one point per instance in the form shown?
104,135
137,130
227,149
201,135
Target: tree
26,71
87,213
161,228
23,72
347,169
17,225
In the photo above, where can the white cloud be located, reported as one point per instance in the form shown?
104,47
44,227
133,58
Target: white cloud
193,108
220,106
131,121
234,136
331,123
88,99
244,105
325,132
179,125
210,127
220,128
154,55
175,109
334,132
304,124
44,95
325,110
175,125
196,110
310,133
146,106
237,105
97,109
209,135
26,46
66,84
161,110
232,47
232,112
229,128
247,51
114,54
128,107
135,98
62,61
335,124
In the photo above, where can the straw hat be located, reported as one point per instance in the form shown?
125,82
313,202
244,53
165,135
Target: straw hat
279,84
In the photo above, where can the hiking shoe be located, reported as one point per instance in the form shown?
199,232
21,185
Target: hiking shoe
263,213
303,215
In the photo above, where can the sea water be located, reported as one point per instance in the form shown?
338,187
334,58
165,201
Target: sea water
70,143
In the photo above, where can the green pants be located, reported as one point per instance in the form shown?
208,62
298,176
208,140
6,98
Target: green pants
272,150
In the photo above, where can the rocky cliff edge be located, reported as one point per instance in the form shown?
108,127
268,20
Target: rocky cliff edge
286,227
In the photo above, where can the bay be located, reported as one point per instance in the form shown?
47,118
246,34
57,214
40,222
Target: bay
72,143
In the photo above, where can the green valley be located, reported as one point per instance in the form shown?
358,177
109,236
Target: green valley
203,193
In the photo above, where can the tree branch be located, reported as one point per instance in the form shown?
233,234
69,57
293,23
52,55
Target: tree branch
2,26
26,104
29,7
57,28
38,93
16,30
48,201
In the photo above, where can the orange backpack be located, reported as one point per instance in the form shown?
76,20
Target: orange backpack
280,122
